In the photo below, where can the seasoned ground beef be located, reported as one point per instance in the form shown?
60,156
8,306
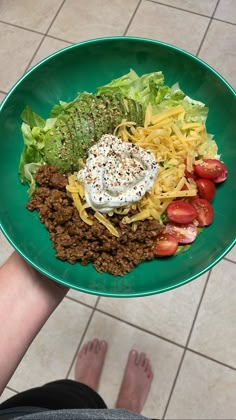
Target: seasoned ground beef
74,240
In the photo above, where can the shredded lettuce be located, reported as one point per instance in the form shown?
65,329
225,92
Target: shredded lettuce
142,89
150,89
181,249
33,131
31,118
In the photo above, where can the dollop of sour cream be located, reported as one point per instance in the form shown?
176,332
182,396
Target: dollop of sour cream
116,174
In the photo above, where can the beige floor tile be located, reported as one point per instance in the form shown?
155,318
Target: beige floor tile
85,19
83,297
17,47
48,46
199,6
7,393
204,390
51,353
36,16
121,338
219,48
214,333
5,249
168,314
226,10
232,254
171,28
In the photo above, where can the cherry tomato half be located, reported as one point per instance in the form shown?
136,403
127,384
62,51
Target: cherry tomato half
205,212
191,175
221,178
181,212
165,245
185,233
210,168
206,189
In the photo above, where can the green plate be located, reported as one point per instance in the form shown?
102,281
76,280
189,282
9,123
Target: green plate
84,67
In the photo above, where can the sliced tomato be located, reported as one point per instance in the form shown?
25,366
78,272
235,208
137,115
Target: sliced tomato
210,168
188,174
185,233
165,245
206,189
205,212
181,212
221,178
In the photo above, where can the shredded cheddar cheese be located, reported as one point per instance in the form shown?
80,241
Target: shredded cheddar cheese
175,145
104,221
76,191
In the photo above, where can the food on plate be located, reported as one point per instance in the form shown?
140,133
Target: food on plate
75,240
165,245
181,212
123,175
205,212
184,233
210,168
206,188
116,174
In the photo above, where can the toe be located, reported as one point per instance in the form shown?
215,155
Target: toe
89,346
84,349
133,357
95,345
146,365
142,359
150,374
103,346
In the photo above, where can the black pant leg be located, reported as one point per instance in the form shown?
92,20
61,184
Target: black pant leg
57,395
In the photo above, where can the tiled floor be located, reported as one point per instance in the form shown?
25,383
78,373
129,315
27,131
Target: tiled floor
189,333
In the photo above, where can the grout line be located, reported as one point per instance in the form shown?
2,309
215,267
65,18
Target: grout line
60,39
1,91
82,337
211,359
207,29
179,8
57,13
204,37
185,350
43,38
139,328
12,389
224,21
229,260
174,383
82,303
198,308
132,17
21,27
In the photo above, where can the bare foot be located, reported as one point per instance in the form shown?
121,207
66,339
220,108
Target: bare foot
90,362
136,382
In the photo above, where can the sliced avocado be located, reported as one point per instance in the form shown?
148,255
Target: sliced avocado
86,116
107,112
101,123
59,148
116,111
82,123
